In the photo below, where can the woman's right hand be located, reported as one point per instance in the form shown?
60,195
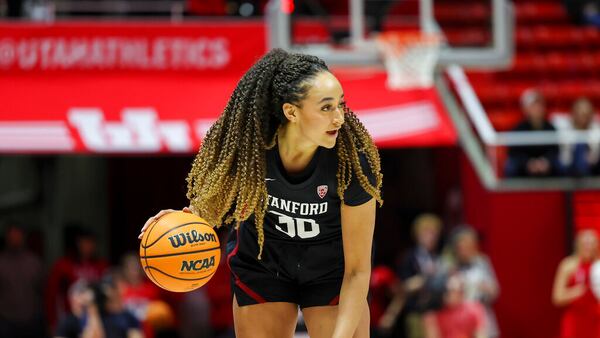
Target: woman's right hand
157,216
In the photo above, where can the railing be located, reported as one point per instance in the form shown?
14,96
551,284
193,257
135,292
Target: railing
480,140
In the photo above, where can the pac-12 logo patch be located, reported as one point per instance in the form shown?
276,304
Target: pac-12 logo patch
322,190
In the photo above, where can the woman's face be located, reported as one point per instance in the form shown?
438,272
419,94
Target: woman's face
467,247
428,236
587,245
132,271
454,291
321,114
583,115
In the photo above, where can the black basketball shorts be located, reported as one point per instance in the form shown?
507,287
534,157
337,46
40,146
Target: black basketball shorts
304,274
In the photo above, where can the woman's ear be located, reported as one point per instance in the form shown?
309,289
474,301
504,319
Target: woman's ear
290,111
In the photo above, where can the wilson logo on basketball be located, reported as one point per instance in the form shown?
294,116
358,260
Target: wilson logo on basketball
191,238
198,264
322,190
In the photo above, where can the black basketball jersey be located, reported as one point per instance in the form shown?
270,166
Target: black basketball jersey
306,207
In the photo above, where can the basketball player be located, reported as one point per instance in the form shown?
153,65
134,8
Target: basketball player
572,289
297,173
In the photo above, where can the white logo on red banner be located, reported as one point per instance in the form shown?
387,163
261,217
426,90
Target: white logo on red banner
143,53
140,130
322,190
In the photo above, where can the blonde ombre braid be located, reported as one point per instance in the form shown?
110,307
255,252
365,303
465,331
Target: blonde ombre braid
227,181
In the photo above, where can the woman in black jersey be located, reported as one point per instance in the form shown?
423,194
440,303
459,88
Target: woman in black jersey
298,176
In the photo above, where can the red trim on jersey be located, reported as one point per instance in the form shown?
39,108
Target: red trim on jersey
249,291
238,282
235,250
335,300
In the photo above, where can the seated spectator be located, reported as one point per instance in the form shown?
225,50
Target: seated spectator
420,264
533,160
572,290
583,12
581,159
20,288
82,263
139,294
98,312
476,272
457,317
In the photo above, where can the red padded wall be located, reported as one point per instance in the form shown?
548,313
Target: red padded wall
586,210
525,236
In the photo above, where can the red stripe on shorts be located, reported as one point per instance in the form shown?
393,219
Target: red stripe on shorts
335,300
249,291
238,282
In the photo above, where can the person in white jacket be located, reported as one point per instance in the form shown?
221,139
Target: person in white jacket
579,158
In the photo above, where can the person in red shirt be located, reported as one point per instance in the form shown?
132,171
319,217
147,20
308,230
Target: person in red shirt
457,318
572,290
81,264
137,291
383,287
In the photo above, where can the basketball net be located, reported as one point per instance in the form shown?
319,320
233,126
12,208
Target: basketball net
409,58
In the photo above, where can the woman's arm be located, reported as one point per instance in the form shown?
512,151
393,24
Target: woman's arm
561,293
135,333
93,327
388,319
358,224
430,325
489,286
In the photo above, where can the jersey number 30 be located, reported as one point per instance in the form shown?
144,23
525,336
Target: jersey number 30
292,226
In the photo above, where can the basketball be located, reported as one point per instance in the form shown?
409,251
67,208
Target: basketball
180,252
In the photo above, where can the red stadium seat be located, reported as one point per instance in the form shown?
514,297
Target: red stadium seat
468,37
504,119
561,59
450,13
533,13
558,37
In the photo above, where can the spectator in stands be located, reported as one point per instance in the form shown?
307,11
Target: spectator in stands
476,272
20,288
533,160
82,263
457,316
98,312
581,159
420,264
583,12
138,292
572,290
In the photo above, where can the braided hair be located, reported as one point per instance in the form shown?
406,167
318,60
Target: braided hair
227,181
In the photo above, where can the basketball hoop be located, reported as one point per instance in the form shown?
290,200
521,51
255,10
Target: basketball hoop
409,58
